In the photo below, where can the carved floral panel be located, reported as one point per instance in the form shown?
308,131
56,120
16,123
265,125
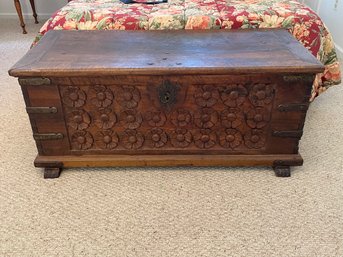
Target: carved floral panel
232,117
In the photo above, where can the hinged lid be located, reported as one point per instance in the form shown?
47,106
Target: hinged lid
93,53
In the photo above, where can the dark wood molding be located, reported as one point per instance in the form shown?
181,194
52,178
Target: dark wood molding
168,160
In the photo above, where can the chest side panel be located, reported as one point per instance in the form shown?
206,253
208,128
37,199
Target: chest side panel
44,107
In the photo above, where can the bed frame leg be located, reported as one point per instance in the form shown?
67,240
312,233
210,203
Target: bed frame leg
32,2
20,15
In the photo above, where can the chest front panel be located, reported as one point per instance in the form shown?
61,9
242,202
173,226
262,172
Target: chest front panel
174,114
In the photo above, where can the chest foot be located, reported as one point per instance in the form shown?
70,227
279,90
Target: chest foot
282,171
52,172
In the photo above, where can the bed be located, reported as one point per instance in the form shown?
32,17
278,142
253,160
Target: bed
300,20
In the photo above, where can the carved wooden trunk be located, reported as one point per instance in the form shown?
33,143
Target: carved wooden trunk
167,98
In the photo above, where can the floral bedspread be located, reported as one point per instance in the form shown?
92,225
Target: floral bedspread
300,20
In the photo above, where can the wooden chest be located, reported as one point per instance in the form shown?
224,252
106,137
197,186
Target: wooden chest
167,98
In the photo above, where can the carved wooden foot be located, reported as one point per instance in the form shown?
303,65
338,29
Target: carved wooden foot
282,171
52,172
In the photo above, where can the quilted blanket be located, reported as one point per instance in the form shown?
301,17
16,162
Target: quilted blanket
300,20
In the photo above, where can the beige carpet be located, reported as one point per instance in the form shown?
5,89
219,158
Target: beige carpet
167,212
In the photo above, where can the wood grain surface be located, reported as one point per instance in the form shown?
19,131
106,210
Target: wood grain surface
76,53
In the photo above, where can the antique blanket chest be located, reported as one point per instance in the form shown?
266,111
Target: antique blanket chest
167,98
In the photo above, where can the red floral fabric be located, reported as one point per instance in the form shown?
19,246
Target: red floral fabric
300,20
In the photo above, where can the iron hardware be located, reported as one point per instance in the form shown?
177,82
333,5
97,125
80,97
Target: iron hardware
295,78
292,107
47,136
41,110
291,133
34,81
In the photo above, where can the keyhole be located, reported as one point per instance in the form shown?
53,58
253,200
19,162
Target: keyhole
167,93
166,97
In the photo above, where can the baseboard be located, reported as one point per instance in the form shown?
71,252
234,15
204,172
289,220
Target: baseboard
26,15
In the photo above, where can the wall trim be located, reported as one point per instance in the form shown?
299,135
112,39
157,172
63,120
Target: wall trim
26,15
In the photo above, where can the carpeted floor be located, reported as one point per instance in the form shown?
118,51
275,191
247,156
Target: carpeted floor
172,211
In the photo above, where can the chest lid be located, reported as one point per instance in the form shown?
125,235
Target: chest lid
207,52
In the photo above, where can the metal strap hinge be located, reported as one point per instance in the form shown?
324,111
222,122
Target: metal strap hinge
291,133
295,78
34,81
292,107
41,110
47,136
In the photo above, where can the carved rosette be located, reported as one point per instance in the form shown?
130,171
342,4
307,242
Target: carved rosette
255,138
181,138
257,118
156,138
73,97
233,95
78,119
128,97
204,138
131,139
156,118
105,118
231,118
107,139
206,118
230,138
131,119
181,117
82,140
261,94
206,96
101,96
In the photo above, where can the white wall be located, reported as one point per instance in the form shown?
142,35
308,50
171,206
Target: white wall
312,3
44,8
331,12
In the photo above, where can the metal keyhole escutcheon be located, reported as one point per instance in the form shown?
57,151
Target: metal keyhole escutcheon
167,93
